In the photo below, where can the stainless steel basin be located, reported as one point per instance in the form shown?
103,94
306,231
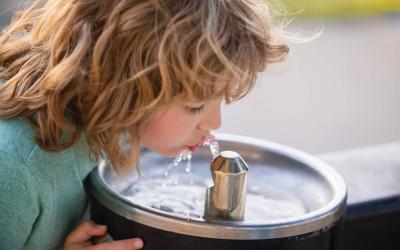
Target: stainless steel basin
275,171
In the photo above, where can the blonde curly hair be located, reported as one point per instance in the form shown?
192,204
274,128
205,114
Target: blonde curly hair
102,67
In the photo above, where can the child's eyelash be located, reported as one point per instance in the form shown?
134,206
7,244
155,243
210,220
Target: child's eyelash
196,110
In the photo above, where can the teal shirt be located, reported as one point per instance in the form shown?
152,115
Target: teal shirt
42,196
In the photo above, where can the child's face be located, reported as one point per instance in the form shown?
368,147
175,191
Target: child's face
181,126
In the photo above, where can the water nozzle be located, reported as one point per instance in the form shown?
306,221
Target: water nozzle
226,199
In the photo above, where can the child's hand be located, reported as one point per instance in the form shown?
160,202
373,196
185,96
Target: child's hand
80,239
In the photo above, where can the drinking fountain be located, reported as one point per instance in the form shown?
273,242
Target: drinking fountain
269,197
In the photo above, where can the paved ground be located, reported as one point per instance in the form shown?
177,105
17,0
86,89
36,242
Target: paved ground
339,91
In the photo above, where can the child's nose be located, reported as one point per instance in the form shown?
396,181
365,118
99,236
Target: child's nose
212,119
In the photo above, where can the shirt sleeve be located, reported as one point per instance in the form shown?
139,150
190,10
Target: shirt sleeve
19,203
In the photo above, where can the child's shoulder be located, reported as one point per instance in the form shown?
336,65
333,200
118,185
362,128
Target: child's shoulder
16,138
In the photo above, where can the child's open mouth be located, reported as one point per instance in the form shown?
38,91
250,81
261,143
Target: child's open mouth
193,148
205,141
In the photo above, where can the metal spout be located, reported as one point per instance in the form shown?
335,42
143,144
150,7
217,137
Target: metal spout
226,199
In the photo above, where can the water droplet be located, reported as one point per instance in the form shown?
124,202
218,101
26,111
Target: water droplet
188,168
214,147
213,144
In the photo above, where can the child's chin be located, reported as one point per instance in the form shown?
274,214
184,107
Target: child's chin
171,152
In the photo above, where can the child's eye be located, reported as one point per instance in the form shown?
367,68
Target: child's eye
195,110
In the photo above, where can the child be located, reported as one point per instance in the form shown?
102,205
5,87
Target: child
80,75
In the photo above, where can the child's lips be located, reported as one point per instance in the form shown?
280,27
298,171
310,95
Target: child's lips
193,148
196,146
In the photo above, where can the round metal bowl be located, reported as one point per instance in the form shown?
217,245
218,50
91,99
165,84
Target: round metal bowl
315,185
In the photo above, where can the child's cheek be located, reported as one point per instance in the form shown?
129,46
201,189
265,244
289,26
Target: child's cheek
166,135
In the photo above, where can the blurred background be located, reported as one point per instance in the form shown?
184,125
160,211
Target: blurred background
339,91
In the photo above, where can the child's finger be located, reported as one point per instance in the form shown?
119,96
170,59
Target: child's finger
85,231
130,244
98,239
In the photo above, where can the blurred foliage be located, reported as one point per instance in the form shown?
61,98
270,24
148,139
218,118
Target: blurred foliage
341,7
